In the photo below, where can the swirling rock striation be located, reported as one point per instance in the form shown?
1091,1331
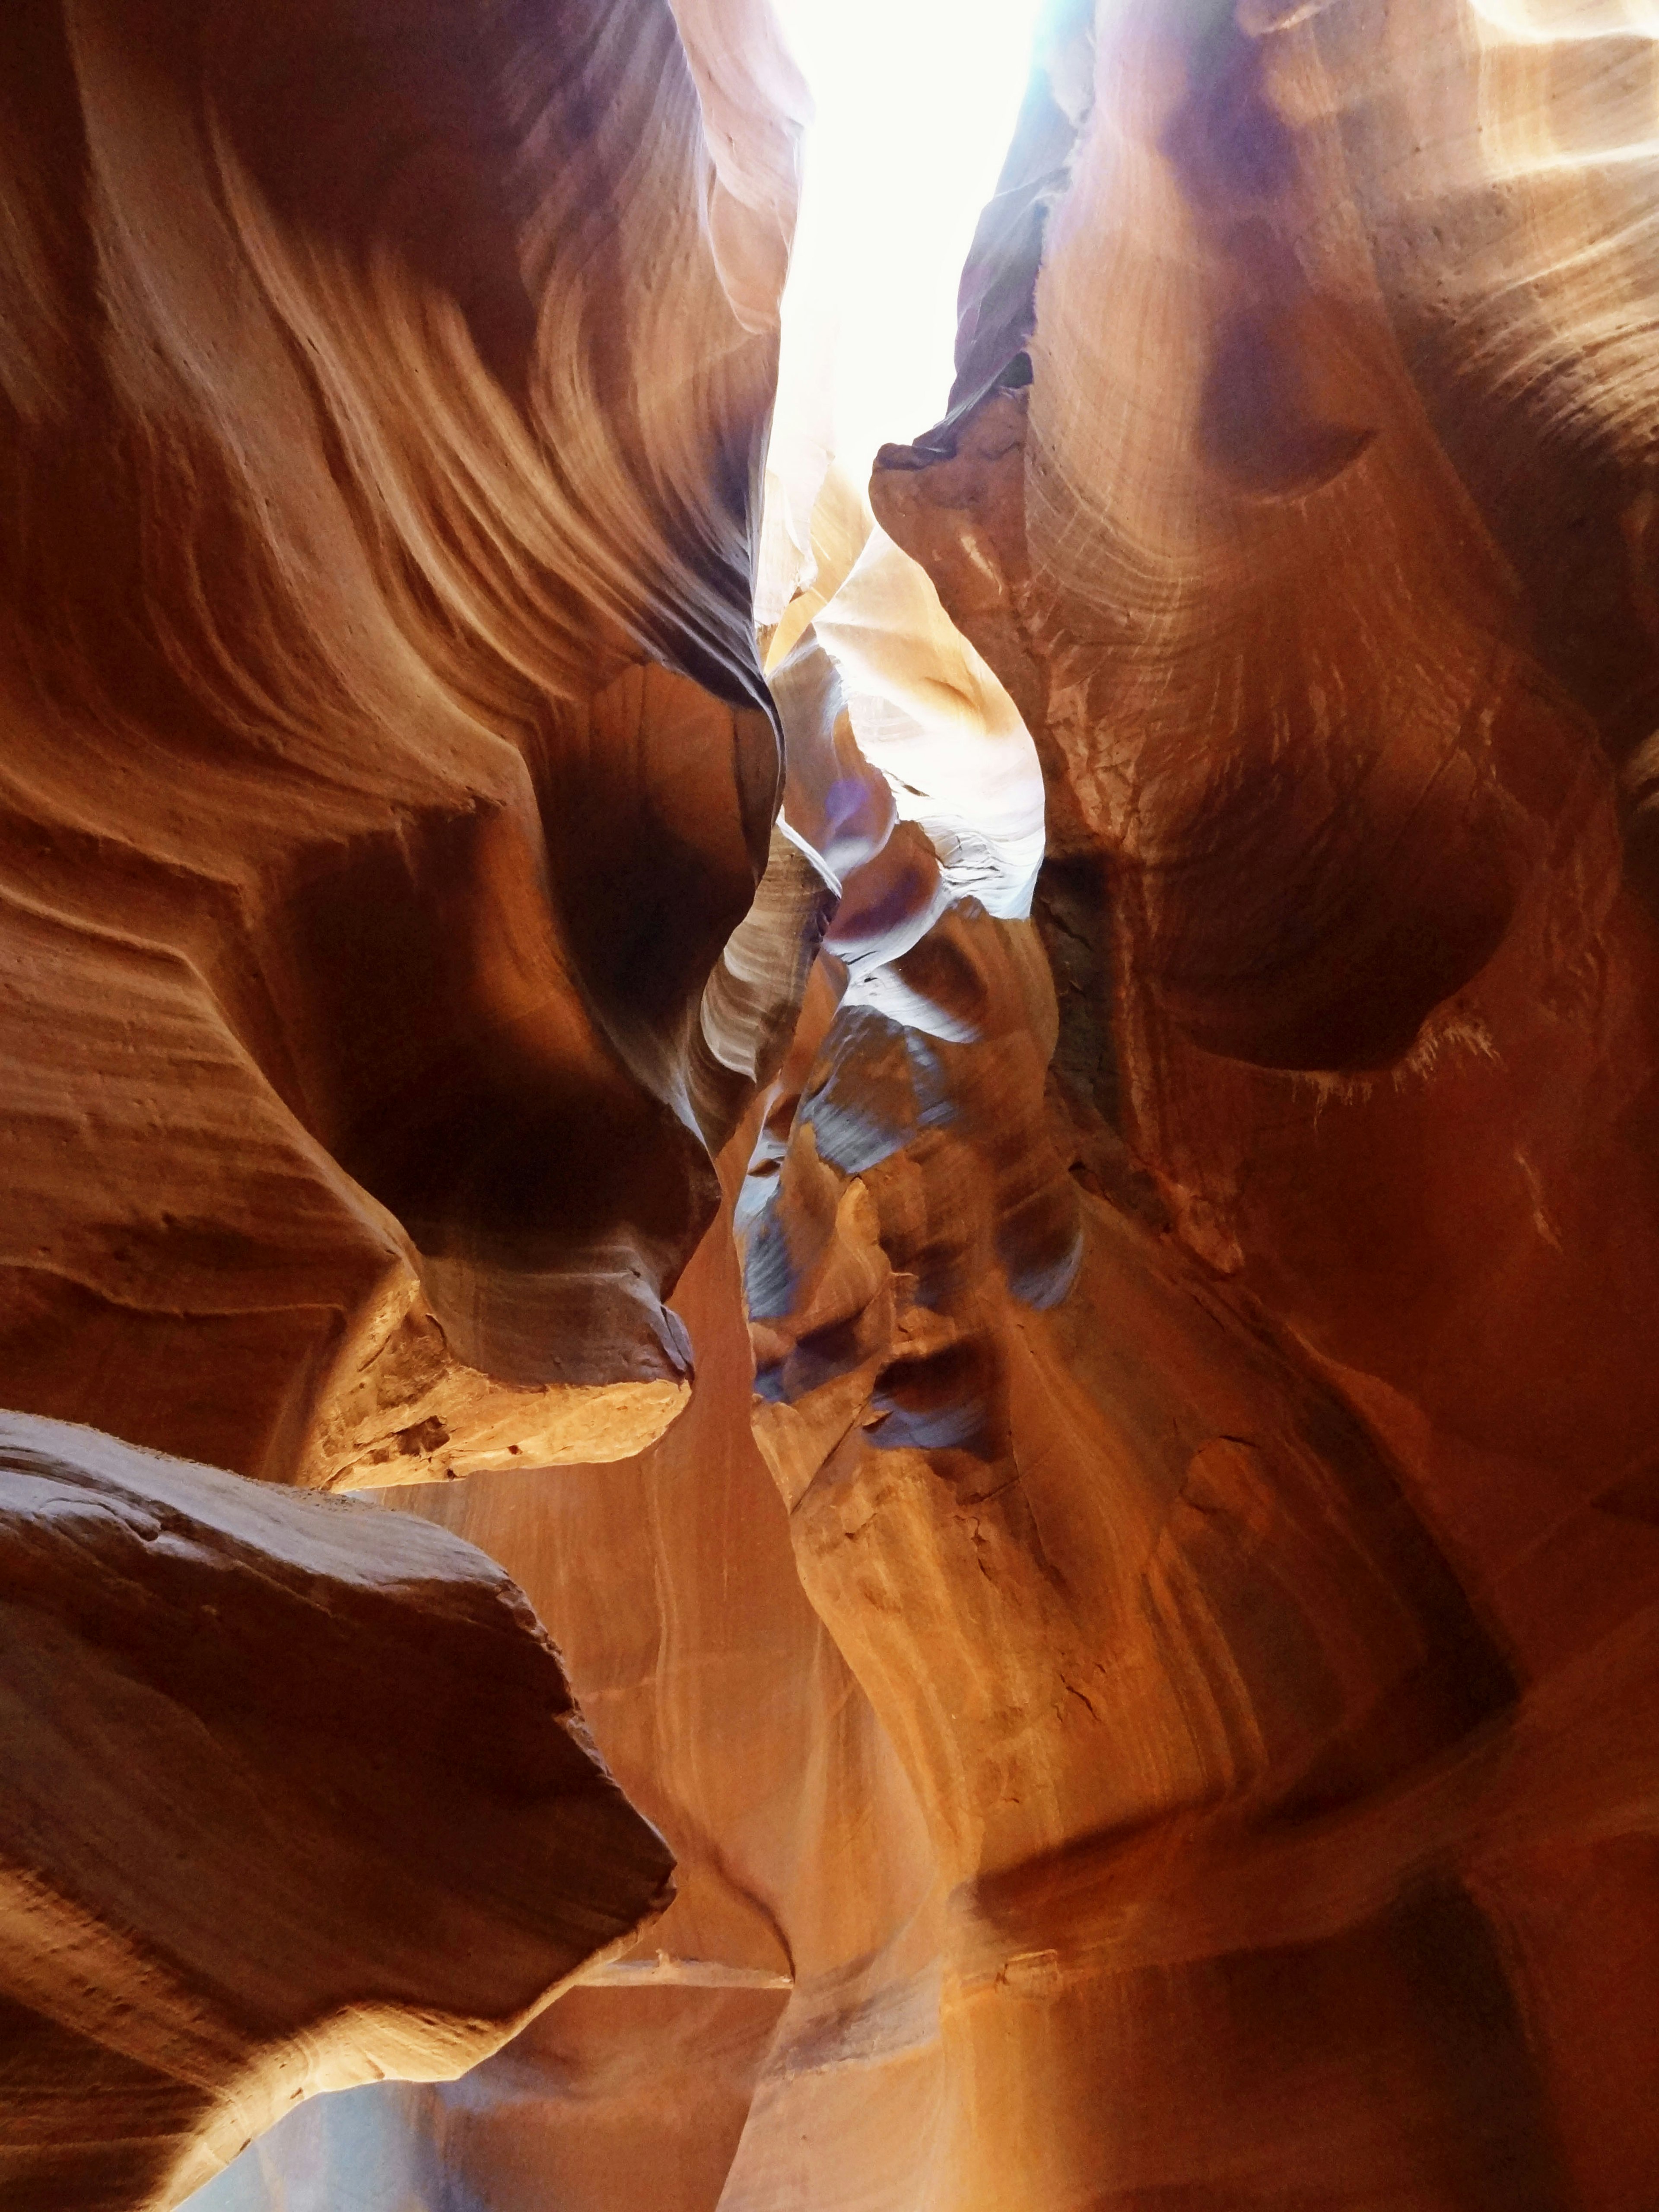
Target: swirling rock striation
1131,1588
1315,558
386,757
1212,1404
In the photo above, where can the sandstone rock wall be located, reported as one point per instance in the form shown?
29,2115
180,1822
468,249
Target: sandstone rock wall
1145,1647
774,2039
386,759
1315,557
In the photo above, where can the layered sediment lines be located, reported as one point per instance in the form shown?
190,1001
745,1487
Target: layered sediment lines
1309,535
386,759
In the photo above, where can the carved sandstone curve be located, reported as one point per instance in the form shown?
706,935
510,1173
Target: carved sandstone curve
388,760
295,1795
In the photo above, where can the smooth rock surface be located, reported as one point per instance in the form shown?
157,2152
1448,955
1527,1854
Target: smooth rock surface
1153,1689
774,2039
386,760
295,1794
1315,558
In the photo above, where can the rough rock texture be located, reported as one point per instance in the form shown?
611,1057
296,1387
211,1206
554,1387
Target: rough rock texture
294,1794
386,760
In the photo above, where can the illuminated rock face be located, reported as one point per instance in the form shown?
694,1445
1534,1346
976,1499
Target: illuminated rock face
387,777
1304,1550
295,1794
386,761
1186,1688
775,2040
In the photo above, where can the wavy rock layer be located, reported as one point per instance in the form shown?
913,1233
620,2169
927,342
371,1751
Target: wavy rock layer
295,1794
1151,1618
386,759
1211,1400
1315,558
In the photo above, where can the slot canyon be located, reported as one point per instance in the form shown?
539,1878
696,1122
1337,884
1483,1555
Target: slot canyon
831,1199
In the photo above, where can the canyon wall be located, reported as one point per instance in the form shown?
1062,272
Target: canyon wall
775,2040
386,783
1306,518
1144,1639
388,760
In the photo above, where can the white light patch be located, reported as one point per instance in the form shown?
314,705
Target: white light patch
916,102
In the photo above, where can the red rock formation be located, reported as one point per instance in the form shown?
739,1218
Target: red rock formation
775,2040
1210,1402
386,759
1315,558
1147,1613
295,1794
